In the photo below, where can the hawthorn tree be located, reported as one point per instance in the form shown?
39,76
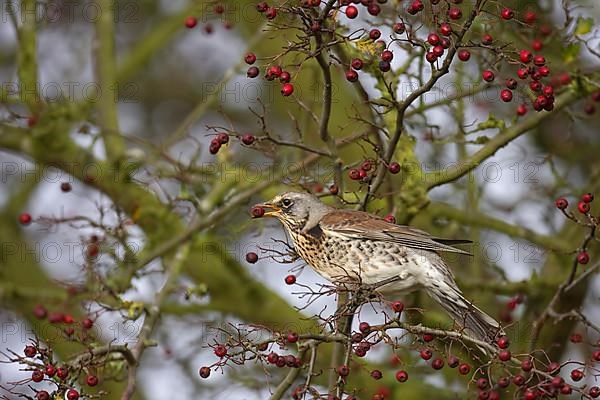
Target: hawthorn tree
135,139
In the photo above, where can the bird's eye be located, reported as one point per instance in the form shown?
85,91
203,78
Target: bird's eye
286,202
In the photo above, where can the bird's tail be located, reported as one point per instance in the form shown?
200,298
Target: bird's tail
476,323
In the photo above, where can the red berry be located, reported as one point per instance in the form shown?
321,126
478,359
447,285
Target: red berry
537,45
398,306
525,56
387,56
272,358
503,342
454,13
539,60
333,189
364,327
587,198
220,350
39,311
251,257
576,337
506,95
464,55
257,211
596,96
522,73
61,372
438,50
518,380
37,376
248,139
430,57
438,363
557,382
250,58
433,39
530,395
507,14
583,258
214,147
354,174
464,369
521,109
482,383
394,168
504,355
290,279
252,72
374,34
271,13
401,376
527,365
453,361
25,218
530,17
589,109
594,392
91,380
376,374
30,351
596,355
223,138
384,66
292,337
390,218
287,89
351,12
190,22
399,28
204,372
49,370
511,83
373,9
356,63
65,187
427,337
487,39
72,394
488,76
576,375
446,29
343,370
553,367
535,86
42,395
351,75
426,354
503,382
583,207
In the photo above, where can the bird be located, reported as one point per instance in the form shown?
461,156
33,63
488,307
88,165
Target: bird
355,246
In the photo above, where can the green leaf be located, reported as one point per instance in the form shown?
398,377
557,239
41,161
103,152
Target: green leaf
571,52
584,26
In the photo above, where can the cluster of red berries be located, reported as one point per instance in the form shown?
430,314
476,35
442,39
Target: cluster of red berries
363,172
511,305
223,138
584,205
191,21
272,73
590,108
51,372
58,317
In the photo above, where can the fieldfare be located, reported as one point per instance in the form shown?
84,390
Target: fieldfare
346,245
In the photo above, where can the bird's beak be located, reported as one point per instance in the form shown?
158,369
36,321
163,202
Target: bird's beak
271,210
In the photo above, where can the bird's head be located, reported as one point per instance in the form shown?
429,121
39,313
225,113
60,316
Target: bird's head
295,210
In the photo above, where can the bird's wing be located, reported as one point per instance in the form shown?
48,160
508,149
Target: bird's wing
362,225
